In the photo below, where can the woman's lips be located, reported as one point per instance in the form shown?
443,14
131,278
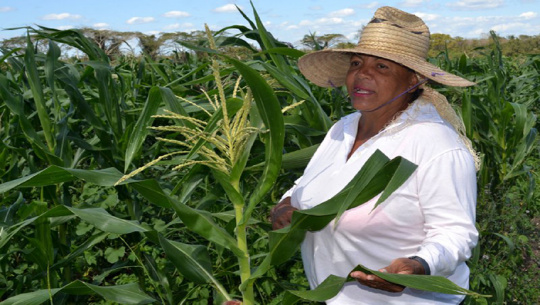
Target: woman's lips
359,91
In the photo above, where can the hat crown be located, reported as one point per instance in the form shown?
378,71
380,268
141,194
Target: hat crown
394,31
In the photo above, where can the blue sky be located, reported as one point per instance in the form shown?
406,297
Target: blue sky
288,20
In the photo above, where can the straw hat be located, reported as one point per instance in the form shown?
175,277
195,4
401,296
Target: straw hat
391,34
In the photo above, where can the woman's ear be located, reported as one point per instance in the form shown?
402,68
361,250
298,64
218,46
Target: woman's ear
413,80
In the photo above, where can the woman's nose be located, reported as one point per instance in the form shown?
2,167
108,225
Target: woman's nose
363,71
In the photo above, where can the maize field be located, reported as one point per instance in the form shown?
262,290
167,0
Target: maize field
136,180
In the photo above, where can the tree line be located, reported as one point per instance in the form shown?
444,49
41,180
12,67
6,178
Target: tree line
116,43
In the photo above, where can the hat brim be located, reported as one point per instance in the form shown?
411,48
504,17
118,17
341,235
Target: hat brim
328,68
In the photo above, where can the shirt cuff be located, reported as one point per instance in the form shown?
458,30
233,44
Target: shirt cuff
423,262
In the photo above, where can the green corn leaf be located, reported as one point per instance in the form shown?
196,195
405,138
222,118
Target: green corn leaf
198,221
222,41
268,42
123,294
373,178
226,182
104,221
6,235
367,173
79,250
295,159
158,274
75,39
192,261
432,283
107,97
51,63
189,74
328,289
151,190
402,170
140,130
294,53
37,94
201,223
55,174
331,286
466,112
97,217
285,78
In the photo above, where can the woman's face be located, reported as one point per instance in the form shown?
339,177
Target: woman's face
373,81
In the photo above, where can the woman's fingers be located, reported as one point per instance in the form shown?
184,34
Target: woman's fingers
281,214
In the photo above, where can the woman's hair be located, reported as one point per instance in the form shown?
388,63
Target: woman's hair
416,94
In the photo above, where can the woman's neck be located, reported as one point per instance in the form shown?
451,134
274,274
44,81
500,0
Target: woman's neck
371,123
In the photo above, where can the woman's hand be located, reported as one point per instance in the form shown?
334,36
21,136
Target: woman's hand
281,214
399,266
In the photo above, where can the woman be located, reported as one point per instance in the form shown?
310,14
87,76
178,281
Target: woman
427,226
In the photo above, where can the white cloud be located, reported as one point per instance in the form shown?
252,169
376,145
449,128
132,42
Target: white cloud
342,13
370,5
140,20
292,27
4,9
176,14
508,26
61,16
315,8
179,26
228,8
321,22
528,15
101,25
476,4
427,17
305,23
65,27
332,20
412,3
477,27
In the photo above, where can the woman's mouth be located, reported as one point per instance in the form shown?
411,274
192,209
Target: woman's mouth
361,91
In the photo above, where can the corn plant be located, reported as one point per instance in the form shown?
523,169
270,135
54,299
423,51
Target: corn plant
500,120
227,137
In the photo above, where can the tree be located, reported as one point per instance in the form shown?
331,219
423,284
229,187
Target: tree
109,41
326,41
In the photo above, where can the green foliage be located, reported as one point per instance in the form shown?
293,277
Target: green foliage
500,116
71,128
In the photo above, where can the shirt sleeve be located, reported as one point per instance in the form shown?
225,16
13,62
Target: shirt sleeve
447,195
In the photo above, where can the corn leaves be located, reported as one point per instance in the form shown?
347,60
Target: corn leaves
333,284
379,174
123,294
141,126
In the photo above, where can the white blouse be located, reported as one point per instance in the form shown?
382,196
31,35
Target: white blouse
432,215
